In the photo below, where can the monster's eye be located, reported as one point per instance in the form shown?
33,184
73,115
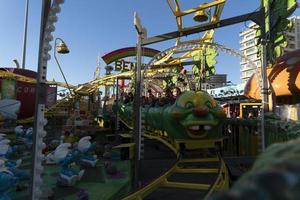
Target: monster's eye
189,105
177,114
209,104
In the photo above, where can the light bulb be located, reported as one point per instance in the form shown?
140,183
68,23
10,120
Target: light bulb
59,1
46,56
45,121
47,47
55,8
50,28
52,17
44,146
42,133
48,37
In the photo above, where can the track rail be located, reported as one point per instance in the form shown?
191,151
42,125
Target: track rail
221,182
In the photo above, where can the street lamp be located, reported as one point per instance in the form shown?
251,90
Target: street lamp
25,34
61,48
200,16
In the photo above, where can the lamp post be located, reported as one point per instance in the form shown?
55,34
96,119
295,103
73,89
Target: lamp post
25,34
61,48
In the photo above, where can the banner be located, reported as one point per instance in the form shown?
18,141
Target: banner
8,89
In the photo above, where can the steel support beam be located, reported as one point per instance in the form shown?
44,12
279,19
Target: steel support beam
256,17
137,98
40,98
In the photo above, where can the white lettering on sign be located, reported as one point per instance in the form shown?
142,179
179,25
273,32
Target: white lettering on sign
26,90
122,65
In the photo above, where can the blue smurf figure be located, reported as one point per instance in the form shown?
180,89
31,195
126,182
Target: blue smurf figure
65,157
87,150
24,136
12,165
7,180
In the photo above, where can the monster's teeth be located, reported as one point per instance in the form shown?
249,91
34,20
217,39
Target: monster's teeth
194,128
207,128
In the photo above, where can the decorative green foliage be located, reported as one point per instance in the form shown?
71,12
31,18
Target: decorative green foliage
196,71
168,82
171,79
206,65
276,23
211,61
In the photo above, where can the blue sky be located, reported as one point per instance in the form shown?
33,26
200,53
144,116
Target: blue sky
95,27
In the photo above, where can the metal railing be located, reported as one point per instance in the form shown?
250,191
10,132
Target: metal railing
241,136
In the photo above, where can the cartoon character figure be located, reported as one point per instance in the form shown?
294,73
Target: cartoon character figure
24,136
194,115
49,158
7,180
87,150
64,156
5,152
13,165
28,137
5,149
19,130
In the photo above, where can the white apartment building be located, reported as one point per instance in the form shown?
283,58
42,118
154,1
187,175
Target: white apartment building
248,47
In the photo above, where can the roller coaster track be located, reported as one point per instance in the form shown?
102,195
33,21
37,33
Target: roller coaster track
52,111
18,77
185,166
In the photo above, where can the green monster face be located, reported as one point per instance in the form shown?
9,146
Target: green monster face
194,115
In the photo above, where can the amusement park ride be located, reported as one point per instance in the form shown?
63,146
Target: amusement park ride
186,145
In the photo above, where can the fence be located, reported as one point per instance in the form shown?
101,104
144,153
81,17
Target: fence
241,136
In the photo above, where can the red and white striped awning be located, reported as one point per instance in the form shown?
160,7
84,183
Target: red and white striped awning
155,88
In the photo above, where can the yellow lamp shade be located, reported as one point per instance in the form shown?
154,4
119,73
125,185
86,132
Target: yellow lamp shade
200,16
62,48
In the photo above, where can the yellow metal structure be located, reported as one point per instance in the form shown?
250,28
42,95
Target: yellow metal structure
129,146
163,141
171,58
200,16
95,84
196,144
18,77
221,182
178,13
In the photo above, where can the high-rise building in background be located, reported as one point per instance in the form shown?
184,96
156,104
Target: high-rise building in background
249,41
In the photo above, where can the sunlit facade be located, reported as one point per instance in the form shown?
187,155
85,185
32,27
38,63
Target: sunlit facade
248,42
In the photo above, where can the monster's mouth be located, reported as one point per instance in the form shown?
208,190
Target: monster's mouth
198,130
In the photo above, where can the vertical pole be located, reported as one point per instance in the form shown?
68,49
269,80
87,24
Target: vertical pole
106,88
264,91
202,70
137,110
264,88
117,101
39,100
114,87
99,103
25,34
